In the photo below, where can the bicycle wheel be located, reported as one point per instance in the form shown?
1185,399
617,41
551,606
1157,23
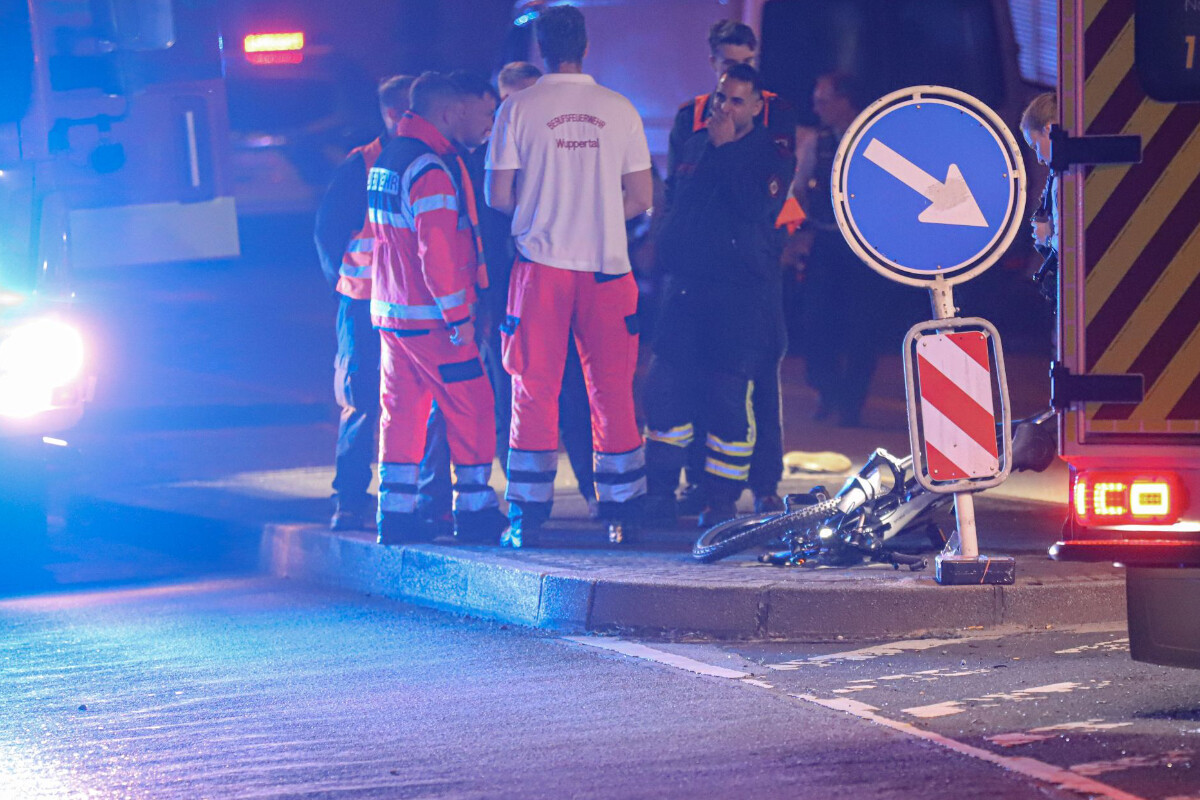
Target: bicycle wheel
743,533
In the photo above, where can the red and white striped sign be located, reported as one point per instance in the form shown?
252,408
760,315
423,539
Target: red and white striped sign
957,415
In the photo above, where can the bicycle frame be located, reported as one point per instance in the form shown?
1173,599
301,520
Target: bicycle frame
866,513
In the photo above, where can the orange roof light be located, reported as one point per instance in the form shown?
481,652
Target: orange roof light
274,48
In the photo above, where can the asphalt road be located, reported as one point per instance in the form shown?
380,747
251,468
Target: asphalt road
1067,707
256,689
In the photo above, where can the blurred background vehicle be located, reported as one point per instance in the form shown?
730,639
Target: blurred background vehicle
296,107
301,78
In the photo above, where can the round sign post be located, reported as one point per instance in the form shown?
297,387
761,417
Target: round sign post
928,189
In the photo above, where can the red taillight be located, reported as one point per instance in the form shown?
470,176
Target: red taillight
1127,498
274,48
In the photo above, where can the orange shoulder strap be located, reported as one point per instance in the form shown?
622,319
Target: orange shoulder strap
698,112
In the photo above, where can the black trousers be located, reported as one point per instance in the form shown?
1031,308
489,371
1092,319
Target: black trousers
682,399
843,308
766,464
356,387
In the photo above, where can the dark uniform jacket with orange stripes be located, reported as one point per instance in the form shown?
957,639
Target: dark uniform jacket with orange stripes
778,117
719,248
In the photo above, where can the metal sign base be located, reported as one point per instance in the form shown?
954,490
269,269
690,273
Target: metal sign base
960,563
980,570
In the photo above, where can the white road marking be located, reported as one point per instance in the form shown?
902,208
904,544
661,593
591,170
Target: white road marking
917,645
932,674
1132,762
635,650
946,709
1086,726
1114,646
950,707
1051,731
878,651
1029,767
1015,739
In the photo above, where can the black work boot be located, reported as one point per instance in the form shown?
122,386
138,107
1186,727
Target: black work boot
345,519
625,520
479,527
767,503
351,513
403,529
716,512
691,500
661,511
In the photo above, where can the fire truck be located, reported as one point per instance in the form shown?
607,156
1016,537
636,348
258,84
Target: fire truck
112,153
1127,379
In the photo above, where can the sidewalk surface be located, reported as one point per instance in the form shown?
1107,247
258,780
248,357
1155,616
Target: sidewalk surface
230,447
577,581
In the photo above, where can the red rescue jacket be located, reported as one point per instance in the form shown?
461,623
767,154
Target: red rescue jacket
420,210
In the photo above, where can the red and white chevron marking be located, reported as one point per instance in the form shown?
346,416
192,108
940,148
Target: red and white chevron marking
959,422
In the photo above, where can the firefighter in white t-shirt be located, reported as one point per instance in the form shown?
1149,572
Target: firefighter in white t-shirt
569,160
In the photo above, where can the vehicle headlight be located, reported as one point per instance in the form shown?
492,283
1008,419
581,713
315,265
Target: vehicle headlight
36,358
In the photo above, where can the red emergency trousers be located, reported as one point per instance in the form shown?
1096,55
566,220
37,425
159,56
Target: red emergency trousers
418,368
425,270
546,305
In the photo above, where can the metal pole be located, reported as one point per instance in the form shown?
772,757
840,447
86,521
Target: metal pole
964,516
941,295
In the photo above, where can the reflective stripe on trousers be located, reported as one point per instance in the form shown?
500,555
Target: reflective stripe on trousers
619,477
398,488
531,475
471,489
679,436
731,459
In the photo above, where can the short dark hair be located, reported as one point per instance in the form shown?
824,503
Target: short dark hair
515,72
561,35
745,74
472,84
393,92
726,31
847,86
431,91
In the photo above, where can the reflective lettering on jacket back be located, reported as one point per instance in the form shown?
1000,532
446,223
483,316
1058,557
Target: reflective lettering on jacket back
383,180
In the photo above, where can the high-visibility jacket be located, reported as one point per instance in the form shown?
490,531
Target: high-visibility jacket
354,275
420,207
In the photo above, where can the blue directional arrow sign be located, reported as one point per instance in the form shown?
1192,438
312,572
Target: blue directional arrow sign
928,185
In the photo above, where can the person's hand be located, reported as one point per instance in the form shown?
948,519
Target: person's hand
1042,231
463,334
720,127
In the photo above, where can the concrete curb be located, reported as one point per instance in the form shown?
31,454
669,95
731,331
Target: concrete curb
856,605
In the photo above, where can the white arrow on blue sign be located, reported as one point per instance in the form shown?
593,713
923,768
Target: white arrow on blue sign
928,185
